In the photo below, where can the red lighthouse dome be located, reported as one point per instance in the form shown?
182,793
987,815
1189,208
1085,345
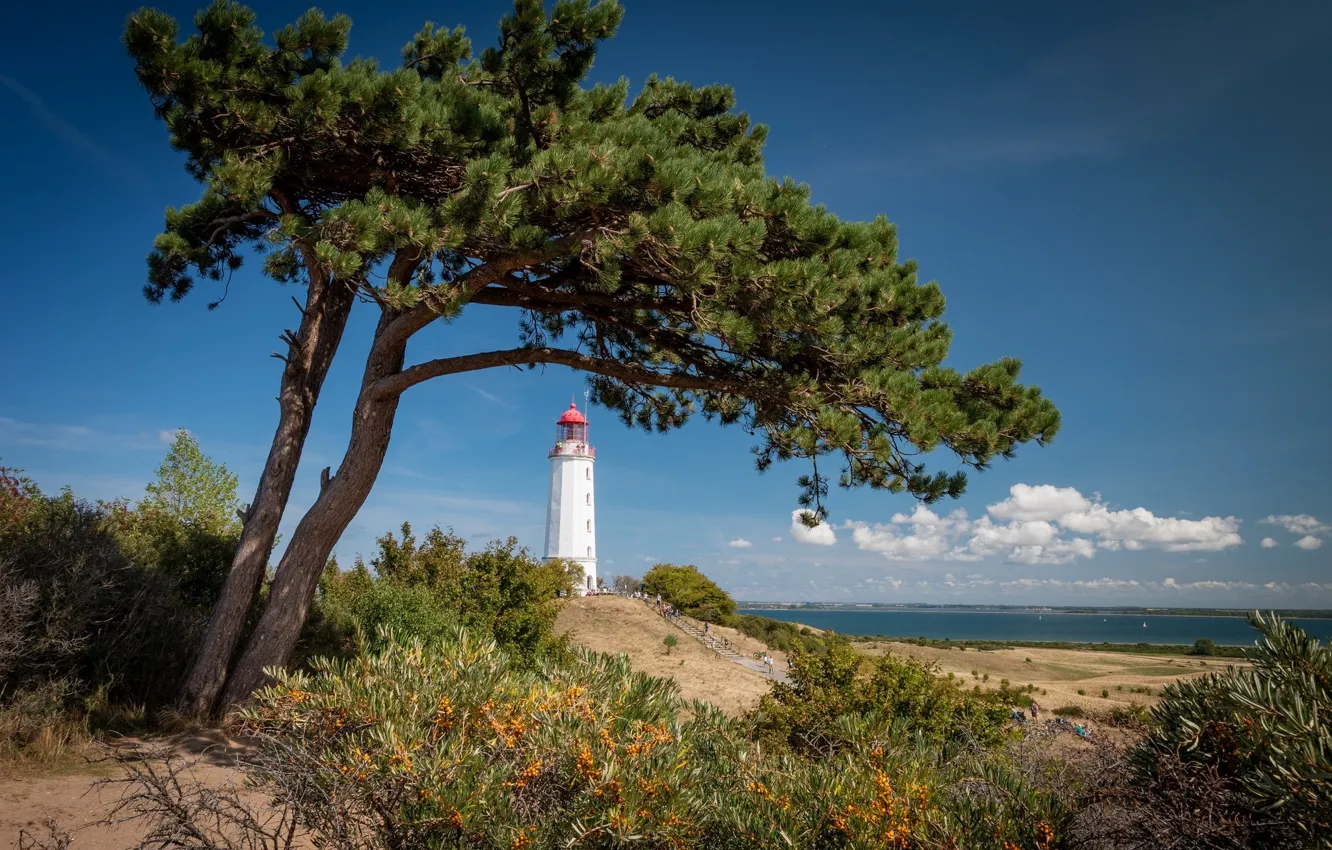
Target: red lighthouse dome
571,433
572,416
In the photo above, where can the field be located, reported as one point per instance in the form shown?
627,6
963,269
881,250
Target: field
1130,678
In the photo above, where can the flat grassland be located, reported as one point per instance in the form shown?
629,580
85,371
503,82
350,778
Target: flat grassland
1129,678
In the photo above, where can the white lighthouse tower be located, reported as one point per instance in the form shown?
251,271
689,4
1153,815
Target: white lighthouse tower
571,530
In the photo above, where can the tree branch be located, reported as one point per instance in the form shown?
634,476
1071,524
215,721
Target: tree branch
245,218
467,285
399,382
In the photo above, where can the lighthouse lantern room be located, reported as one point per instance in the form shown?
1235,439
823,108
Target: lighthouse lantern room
570,519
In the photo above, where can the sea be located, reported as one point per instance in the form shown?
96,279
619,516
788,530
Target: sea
1034,626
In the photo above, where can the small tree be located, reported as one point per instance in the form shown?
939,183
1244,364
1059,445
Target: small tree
193,489
689,591
627,585
187,524
1204,646
671,641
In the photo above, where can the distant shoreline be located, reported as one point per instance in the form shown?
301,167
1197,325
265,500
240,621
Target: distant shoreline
922,608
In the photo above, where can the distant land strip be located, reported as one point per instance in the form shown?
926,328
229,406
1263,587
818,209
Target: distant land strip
1323,614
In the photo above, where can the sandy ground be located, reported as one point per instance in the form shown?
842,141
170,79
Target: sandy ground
1061,673
69,793
613,624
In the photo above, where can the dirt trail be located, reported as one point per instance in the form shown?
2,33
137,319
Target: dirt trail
70,794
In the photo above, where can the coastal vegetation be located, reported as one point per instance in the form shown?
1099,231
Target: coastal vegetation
431,703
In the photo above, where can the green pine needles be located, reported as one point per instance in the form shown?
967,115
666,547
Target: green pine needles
635,238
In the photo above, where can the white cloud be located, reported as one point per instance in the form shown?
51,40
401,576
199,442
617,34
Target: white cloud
79,438
1269,543
1027,503
740,543
1298,523
931,537
1040,524
1139,527
820,535
169,437
990,539
776,540
1060,551
1169,582
1308,542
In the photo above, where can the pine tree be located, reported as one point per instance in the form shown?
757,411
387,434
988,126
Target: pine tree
634,238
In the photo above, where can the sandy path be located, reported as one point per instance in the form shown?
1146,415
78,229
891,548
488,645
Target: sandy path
70,795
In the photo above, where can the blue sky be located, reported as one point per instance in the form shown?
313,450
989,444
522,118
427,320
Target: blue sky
1134,198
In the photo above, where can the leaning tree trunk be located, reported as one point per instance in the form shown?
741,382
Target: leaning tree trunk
340,497
309,356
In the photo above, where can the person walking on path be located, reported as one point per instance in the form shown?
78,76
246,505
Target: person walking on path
1034,709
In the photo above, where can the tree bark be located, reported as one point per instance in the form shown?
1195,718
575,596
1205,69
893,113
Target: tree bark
319,530
324,317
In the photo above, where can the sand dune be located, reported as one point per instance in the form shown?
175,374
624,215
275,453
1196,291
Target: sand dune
615,624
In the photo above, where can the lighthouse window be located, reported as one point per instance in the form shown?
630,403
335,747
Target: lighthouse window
589,473
589,498
589,525
589,551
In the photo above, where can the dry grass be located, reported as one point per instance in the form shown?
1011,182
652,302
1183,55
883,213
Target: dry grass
1062,672
614,624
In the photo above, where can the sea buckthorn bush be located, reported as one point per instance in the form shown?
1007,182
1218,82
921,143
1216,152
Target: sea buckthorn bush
1263,732
450,744
803,714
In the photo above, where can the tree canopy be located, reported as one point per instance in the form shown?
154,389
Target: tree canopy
194,490
689,590
636,238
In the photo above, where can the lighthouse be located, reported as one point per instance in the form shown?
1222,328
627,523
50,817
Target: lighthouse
571,530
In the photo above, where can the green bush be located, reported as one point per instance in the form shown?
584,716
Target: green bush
805,715
1133,715
689,591
84,598
1070,711
430,589
779,635
1266,730
100,603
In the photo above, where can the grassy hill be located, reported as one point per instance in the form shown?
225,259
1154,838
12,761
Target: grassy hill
614,624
